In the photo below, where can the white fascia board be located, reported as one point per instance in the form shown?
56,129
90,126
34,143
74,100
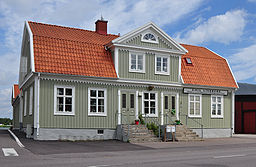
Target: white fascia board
208,86
160,50
227,63
31,47
26,79
156,28
22,46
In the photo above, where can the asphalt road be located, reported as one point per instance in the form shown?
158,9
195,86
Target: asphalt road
235,152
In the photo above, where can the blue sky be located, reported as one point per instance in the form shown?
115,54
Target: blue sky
226,27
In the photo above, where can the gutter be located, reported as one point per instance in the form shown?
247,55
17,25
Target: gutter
37,103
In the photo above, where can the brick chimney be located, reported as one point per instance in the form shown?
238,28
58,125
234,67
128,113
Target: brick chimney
101,26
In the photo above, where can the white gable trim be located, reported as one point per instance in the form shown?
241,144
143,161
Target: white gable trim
156,28
31,47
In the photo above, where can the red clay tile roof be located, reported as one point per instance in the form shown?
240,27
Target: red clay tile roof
207,68
16,90
73,51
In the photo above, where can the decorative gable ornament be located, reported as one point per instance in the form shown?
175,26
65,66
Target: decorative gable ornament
149,37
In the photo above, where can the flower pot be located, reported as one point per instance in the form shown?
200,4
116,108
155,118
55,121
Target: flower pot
137,122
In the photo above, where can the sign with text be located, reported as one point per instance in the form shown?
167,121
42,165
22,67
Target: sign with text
206,91
170,128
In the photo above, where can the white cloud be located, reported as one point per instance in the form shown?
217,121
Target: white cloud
123,16
251,0
224,28
244,63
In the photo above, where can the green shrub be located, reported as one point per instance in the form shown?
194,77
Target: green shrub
152,126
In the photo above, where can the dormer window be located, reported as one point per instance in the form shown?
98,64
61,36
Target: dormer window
188,61
149,37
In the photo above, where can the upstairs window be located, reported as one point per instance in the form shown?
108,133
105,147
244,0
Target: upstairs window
136,62
149,37
162,65
188,61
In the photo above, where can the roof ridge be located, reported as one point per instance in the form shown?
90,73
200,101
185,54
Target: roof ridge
69,40
80,29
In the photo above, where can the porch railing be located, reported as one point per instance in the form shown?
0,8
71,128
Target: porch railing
198,124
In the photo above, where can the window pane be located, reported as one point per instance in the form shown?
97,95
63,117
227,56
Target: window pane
146,111
101,102
173,102
131,100
197,109
60,91
214,109
214,99
100,93
93,109
152,96
152,110
197,98
146,104
219,109
165,64
59,100
123,100
158,64
68,100
145,95
93,102
191,98
59,107
68,108
101,109
140,62
68,92
93,93
166,102
152,104
219,99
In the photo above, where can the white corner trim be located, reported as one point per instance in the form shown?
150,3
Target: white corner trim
177,107
119,107
116,56
162,108
25,103
137,105
31,47
233,112
180,77
195,116
30,100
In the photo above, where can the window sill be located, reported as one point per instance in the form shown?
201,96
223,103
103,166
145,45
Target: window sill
136,71
97,114
194,116
63,113
150,115
162,73
217,117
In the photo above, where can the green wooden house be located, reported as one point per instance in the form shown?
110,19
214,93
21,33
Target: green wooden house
81,85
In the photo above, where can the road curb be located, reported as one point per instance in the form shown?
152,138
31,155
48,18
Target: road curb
16,138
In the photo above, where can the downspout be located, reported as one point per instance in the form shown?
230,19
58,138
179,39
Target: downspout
233,113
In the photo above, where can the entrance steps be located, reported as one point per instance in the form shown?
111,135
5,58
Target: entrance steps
184,134
139,134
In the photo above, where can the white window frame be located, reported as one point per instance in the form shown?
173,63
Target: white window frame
156,103
168,65
105,102
149,41
25,103
55,100
30,100
195,116
222,107
143,62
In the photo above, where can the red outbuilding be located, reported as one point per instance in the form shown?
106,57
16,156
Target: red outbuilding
245,109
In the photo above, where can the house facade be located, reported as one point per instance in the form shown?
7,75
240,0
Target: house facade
80,85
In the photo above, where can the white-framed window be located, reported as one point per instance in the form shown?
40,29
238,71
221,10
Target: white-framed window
97,102
162,65
149,37
136,62
30,100
25,102
150,104
64,100
194,105
216,106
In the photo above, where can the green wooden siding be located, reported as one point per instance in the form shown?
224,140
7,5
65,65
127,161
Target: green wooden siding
28,119
149,68
206,119
82,120
16,109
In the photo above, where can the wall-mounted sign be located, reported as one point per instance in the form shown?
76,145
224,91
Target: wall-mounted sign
206,91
